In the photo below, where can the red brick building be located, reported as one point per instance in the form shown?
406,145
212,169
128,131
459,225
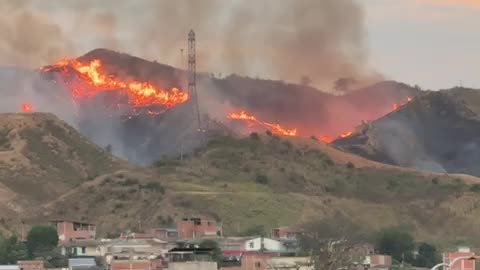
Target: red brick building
198,227
74,230
31,265
460,264
252,261
136,265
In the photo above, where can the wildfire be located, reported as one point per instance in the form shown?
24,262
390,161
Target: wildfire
26,107
252,120
347,134
396,106
140,94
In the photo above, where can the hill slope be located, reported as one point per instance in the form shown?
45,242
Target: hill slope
41,157
438,131
268,181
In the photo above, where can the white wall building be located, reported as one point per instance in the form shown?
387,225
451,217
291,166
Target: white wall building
265,244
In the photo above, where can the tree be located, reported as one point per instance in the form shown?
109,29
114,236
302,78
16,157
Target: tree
397,243
12,250
330,242
427,256
41,239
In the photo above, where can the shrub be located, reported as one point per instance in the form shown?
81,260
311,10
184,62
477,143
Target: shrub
261,179
350,165
475,188
254,136
269,133
130,182
314,138
154,186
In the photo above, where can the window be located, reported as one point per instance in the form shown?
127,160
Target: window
84,250
258,265
251,244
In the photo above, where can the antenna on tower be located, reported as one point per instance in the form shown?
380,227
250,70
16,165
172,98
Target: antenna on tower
192,75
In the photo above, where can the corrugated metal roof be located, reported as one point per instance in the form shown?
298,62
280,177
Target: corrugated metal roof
9,267
81,262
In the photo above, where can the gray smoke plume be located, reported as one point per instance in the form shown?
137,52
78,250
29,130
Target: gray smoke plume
287,39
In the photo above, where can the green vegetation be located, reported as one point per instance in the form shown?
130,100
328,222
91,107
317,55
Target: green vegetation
41,244
41,239
397,243
4,140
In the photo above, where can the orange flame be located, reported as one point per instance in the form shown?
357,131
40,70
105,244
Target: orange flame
275,128
26,107
346,134
396,106
140,94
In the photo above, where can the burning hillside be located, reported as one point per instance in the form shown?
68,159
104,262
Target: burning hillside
93,80
140,107
437,131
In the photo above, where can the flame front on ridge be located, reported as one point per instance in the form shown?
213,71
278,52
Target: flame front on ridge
140,94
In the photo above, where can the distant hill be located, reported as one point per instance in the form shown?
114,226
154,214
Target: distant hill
438,131
256,182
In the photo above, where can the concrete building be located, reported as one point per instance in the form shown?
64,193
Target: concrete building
265,244
79,248
290,263
198,227
165,234
462,252
191,259
74,230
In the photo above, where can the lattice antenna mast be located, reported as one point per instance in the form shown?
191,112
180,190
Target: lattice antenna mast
192,75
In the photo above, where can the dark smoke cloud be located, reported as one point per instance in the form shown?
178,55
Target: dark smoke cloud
282,39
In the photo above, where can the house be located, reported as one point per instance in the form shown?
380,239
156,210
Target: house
198,227
80,248
86,263
32,265
270,245
255,261
73,230
143,246
460,264
191,258
378,262
165,234
293,263
137,264
284,233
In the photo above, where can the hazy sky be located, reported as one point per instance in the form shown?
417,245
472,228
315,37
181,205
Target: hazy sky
432,43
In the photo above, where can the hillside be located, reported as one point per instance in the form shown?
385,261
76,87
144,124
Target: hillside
437,132
41,157
142,137
260,182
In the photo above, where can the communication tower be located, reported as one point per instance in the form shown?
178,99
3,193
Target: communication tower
192,76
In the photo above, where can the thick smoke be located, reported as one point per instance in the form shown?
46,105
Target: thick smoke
320,39
288,39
